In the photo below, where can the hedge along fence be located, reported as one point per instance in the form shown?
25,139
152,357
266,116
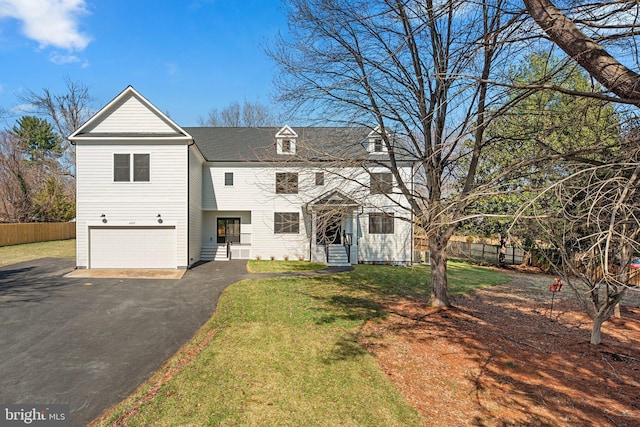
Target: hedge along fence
20,233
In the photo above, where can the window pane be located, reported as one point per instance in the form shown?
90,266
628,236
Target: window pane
286,222
286,183
377,145
141,167
121,167
381,183
286,146
381,223
228,178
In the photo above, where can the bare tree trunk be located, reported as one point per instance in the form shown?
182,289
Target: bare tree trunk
438,256
596,329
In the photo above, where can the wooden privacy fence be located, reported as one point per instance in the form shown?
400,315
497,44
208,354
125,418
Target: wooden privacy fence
478,251
17,234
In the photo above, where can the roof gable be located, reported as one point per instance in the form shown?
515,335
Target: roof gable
332,199
129,115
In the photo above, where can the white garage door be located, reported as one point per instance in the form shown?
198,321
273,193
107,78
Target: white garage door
132,247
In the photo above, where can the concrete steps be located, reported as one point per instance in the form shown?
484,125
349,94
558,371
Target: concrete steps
338,256
214,253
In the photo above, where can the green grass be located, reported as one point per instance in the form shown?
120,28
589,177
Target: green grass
262,266
285,352
20,253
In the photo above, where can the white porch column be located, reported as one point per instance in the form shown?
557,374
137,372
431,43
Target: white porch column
354,237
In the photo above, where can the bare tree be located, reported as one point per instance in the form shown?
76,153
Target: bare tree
249,114
15,180
591,240
67,111
417,73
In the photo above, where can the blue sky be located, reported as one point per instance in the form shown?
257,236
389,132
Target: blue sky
185,56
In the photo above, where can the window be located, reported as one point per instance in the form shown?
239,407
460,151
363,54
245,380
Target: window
286,183
381,183
121,167
286,222
286,146
377,146
228,178
319,178
122,171
380,223
141,167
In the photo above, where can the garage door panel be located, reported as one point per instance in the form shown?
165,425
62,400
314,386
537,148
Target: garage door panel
132,247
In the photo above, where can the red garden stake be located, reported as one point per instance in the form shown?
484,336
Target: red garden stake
554,287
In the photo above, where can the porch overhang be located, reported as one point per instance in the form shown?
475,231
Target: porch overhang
331,200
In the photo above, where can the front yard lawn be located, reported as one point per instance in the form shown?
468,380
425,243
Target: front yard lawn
20,253
285,351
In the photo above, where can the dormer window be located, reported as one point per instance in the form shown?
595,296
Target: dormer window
375,143
286,139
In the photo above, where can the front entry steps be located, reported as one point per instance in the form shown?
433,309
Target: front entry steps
338,256
214,253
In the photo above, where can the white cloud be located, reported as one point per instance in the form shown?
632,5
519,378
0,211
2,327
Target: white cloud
49,22
22,109
59,59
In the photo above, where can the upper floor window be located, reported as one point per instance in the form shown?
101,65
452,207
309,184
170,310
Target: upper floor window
381,183
286,183
377,145
228,178
381,223
319,178
123,172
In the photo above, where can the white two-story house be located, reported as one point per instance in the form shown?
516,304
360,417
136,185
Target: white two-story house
152,194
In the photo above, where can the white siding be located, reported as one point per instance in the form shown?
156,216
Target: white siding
195,205
394,247
253,190
131,203
131,115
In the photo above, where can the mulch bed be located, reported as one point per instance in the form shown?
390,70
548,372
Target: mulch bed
500,357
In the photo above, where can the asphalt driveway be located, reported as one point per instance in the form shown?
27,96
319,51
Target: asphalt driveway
90,342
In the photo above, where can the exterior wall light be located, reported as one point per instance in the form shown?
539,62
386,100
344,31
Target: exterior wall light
159,218
104,218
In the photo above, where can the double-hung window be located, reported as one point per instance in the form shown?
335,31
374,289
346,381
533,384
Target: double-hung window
286,183
286,222
381,223
381,183
126,170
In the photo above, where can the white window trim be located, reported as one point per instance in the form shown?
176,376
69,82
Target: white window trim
131,169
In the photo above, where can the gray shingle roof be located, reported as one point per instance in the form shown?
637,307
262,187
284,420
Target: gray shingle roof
258,144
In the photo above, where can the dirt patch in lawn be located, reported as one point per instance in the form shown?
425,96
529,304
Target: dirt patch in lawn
502,358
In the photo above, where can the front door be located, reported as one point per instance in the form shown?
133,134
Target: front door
329,230
228,230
